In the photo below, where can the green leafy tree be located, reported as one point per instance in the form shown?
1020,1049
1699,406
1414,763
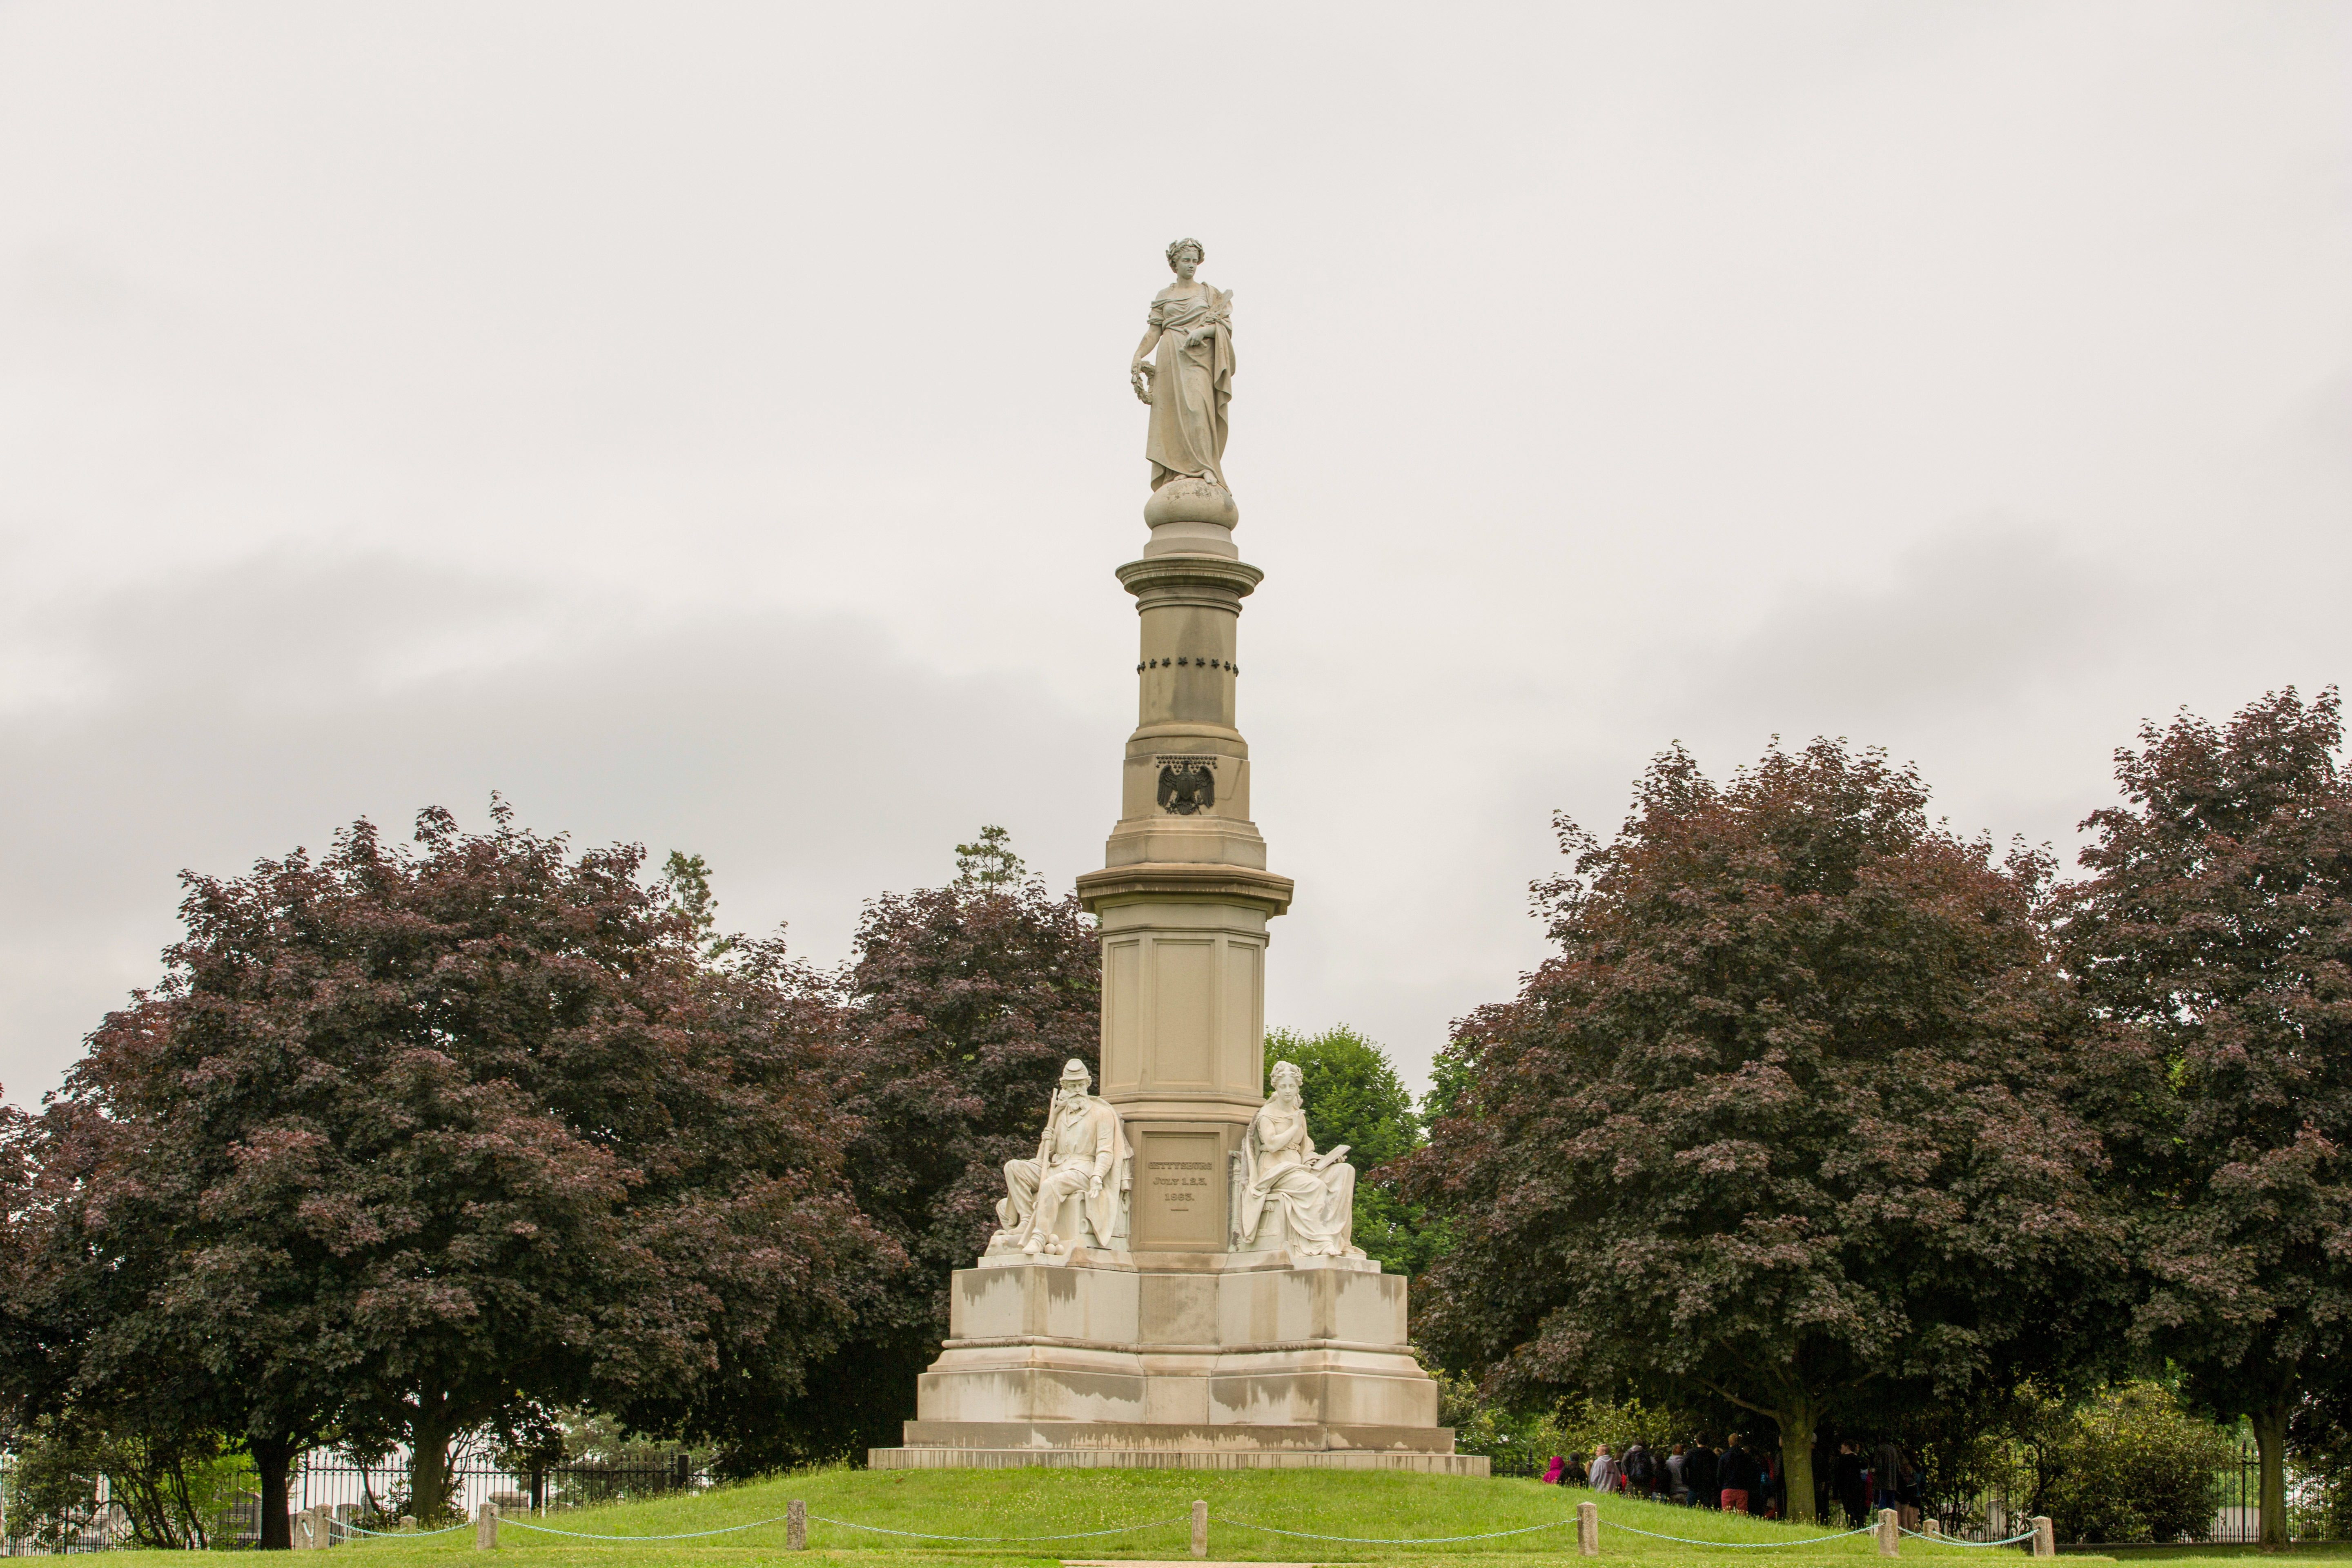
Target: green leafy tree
685,881
989,862
2133,1465
2216,928
1353,1096
1784,1121
174,1490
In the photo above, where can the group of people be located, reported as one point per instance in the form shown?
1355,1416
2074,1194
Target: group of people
1741,1480
1886,1480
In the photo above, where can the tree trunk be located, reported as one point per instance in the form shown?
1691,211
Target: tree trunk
2270,1442
1798,1421
272,1457
429,1458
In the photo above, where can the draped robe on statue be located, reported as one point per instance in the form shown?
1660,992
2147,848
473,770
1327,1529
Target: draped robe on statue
1317,1207
1189,386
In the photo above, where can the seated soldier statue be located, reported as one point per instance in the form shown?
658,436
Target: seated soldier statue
1082,1153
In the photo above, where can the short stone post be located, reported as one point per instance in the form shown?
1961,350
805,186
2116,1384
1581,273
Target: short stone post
1932,1528
1890,1532
1200,1528
1588,1529
408,1523
486,1528
796,1526
298,1530
2046,1539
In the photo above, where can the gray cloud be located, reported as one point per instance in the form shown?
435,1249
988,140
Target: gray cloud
712,428
245,710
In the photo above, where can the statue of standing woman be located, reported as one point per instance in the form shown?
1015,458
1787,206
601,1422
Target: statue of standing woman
1184,369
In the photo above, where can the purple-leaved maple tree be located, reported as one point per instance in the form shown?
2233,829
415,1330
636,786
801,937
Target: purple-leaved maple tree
959,1008
1783,1122
411,1139
2216,927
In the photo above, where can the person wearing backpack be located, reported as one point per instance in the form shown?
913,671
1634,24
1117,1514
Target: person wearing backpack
1638,1468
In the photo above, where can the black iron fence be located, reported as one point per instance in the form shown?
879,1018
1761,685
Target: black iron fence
371,1497
379,1492
2233,1515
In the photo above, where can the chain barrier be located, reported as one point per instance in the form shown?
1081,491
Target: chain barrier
584,1535
1186,1519
1077,1535
1739,1545
408,1534
1389,1540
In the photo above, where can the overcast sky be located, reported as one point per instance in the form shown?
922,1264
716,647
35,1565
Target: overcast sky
708,426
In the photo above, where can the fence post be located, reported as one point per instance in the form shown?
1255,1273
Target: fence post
1588,1529
1890,1539
298,1530
796,1526
408,1523
1200,1528
2046,1539
486,1528
1932,1527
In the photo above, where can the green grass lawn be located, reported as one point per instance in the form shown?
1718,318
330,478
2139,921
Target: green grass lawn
1033,1502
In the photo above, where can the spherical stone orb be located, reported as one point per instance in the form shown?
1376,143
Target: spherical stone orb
1188,500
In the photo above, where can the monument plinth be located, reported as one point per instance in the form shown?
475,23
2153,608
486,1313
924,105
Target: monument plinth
1174,1280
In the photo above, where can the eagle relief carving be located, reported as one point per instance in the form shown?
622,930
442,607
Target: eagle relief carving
1186,787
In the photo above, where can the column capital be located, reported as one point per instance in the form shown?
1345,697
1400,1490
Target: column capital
1156,576
1193,882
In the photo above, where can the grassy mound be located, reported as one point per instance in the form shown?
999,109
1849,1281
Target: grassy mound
1405,1512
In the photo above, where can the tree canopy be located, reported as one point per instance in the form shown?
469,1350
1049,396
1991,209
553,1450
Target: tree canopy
1784,1120
958,1009
411,1139
2216,928
1353,1096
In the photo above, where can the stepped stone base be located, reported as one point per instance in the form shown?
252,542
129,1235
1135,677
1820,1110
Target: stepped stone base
1182,1361
913,1458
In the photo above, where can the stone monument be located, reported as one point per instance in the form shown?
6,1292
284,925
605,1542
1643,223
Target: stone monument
1173,1280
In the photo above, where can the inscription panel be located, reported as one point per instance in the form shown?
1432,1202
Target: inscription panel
1179,1197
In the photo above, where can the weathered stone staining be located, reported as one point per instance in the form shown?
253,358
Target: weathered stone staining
1174,1281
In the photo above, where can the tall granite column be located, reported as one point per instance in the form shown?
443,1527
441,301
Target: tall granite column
1162,1338
1184,894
